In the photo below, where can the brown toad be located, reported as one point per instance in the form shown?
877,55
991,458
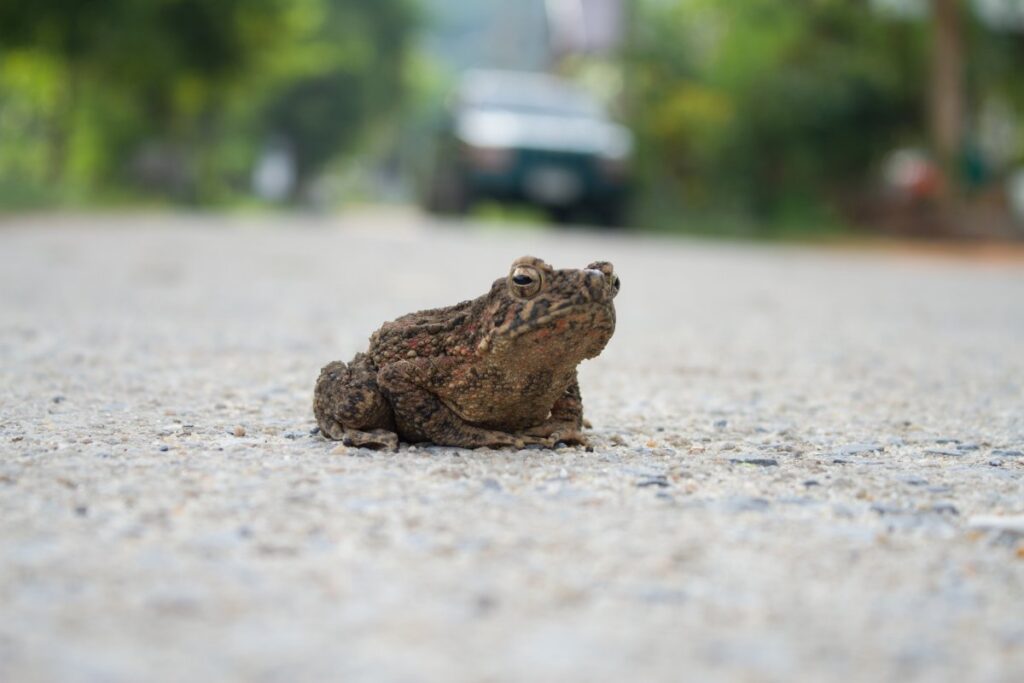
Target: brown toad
498,370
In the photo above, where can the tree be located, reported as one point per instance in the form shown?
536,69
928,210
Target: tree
771,109
73,33
356,77
946,104
202,82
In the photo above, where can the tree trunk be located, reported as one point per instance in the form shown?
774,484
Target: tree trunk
62,124
946,106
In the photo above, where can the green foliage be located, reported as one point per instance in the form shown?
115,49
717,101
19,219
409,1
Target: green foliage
346,79
180,96
771,110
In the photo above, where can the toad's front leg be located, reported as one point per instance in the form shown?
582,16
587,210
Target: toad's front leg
566,420
421,416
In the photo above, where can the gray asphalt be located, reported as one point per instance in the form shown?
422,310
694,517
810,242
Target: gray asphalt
808,464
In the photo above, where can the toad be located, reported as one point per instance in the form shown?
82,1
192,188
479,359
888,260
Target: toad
495,371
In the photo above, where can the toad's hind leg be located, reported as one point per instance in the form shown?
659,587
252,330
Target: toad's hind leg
350,408
422,416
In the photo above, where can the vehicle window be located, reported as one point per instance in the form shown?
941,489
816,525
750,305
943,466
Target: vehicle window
529,97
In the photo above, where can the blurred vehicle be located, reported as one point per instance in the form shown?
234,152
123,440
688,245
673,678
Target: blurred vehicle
529,137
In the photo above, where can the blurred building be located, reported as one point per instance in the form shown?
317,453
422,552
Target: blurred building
595,27
522,34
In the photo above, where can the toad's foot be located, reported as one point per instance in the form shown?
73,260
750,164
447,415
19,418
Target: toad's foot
375,439
558,431
378,439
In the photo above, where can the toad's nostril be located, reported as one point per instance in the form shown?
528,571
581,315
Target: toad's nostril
594,284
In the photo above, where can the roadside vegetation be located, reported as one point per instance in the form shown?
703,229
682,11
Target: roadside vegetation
176,100
751,117
780,118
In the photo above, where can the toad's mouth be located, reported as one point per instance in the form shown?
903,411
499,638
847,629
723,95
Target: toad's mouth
541,313
567,321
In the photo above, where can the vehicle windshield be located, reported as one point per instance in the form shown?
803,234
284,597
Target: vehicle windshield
527,93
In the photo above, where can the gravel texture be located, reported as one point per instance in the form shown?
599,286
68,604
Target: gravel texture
808,465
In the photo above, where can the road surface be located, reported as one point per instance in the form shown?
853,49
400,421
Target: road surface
808,465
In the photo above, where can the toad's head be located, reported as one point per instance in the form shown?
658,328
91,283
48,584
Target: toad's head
538,312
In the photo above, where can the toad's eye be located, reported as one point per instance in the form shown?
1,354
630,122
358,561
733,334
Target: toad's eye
616,282
525,281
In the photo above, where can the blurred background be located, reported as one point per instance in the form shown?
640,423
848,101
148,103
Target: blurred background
751,117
